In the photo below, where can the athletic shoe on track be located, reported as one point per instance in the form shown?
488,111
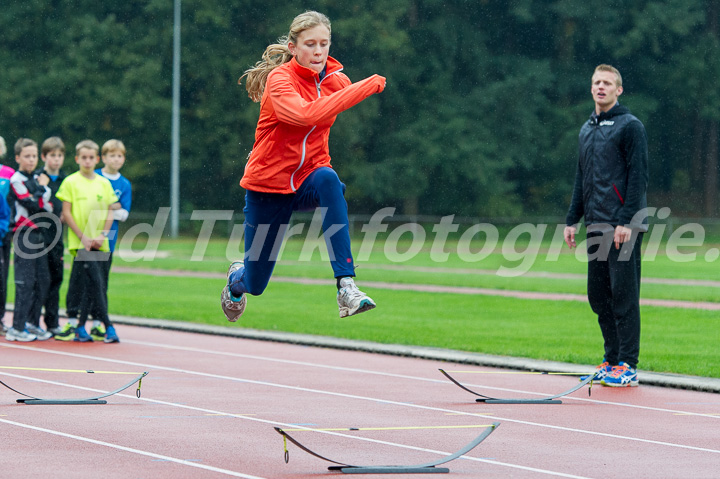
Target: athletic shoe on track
22,336
3,329
111,336
98,333
41,334
66,333
600,372
351,300
232,306
82,336
621,376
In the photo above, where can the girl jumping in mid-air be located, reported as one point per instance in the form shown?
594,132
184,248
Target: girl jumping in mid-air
301,90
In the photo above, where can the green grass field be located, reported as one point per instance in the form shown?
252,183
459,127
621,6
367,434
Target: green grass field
673,339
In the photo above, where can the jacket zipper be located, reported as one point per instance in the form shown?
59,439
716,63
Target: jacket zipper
304,143
617,192
302,159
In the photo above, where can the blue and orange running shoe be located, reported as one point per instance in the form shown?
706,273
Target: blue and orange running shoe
621,376
600,372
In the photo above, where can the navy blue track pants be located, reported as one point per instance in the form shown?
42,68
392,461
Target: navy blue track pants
267,216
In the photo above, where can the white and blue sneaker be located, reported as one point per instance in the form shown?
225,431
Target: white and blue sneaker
351,300
232,306
621,376
39,332
17,335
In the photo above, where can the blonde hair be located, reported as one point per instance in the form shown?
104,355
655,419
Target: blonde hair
51,144
113,145
3,147
611,69
89,144
278,53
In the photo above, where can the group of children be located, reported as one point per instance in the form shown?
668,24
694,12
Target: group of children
34,204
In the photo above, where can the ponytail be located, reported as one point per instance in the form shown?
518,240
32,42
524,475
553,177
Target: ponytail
274,56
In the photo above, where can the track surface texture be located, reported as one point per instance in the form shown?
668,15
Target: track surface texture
209,405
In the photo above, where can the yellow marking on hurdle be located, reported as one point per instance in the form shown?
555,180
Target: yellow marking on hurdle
394,428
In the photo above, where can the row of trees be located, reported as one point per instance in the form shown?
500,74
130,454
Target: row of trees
480,116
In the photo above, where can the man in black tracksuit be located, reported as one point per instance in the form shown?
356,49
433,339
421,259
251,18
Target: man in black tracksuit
610,192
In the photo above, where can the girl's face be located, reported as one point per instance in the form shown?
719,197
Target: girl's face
312,48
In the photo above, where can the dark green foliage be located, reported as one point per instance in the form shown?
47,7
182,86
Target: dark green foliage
480,116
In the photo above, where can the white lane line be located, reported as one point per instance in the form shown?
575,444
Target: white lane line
416,378
296,426
366,398
130,449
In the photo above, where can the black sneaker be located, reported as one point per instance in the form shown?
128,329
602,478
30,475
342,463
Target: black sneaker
98,333
66,333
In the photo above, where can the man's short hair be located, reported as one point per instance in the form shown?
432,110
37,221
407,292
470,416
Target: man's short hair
89,144
51,144
612,69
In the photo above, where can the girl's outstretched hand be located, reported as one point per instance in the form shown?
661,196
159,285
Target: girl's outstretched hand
381,81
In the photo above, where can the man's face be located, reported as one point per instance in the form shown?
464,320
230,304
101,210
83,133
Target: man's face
605,91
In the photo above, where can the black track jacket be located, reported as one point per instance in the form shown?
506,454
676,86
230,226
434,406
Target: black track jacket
612,172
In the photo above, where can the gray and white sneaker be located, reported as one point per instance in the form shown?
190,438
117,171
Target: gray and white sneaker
22,336
41,334
351,300
56,331
3,329
232,307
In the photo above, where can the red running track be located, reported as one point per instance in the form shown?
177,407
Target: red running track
209,405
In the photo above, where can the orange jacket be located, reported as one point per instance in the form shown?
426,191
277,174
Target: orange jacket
296,112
